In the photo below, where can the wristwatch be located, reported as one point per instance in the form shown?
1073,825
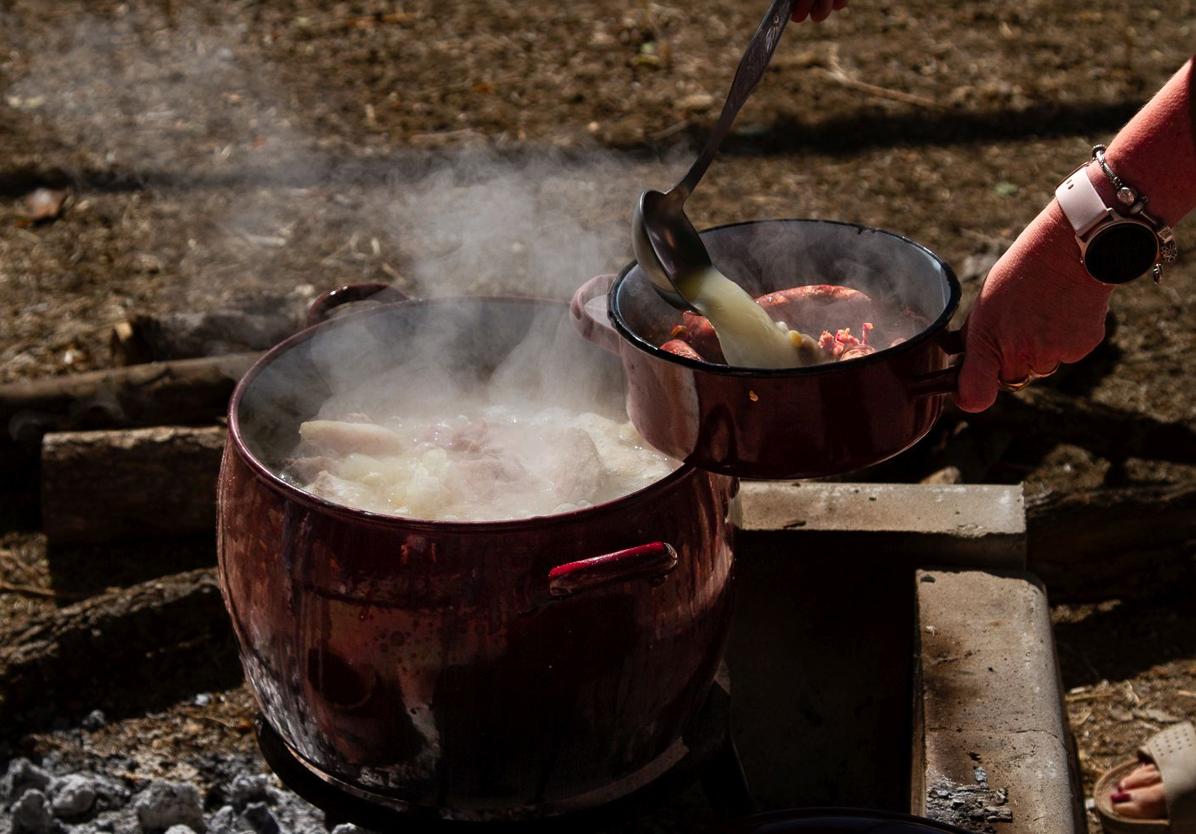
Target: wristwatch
1115,246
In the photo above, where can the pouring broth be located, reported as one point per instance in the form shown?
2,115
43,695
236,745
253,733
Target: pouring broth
749,337
772,331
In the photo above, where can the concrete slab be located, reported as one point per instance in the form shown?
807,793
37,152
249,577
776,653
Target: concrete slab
964,525
988,707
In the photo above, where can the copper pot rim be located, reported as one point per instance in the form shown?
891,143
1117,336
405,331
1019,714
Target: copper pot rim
236,440
931,331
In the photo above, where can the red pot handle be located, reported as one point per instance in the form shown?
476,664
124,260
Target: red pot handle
323,306
647,561
946,381
588,311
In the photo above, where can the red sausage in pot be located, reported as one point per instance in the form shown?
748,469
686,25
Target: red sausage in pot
682,348
810,309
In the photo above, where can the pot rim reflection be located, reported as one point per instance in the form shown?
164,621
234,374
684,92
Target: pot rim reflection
292,491
931,331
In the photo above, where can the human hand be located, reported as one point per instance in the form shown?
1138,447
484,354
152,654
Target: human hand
816,10
1038,307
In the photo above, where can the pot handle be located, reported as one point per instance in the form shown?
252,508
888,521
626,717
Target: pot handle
946,381
323,306
588,311
652,561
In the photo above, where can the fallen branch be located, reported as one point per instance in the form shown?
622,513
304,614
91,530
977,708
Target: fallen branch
157,338
188,391
115,650
834,71
30,591
1100,542
103,486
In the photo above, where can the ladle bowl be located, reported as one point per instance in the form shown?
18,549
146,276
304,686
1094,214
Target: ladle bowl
666,244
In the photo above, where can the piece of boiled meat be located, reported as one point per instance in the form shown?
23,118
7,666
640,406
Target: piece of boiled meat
338,437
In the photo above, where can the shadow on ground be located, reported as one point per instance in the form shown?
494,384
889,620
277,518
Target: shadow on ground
1125,640
846,134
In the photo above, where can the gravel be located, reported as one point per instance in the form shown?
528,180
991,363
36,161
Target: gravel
94,720
72,796
103,795
164,804
248,788
31,813
258,815
22,774
224,821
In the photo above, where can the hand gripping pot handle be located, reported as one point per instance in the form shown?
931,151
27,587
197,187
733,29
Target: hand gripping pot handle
945,381
652,561
588,310
323,306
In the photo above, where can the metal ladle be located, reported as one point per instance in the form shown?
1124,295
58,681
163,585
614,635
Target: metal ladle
666,244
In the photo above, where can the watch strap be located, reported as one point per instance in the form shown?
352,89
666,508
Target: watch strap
1081,202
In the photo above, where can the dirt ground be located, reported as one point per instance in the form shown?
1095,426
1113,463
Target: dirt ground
212,151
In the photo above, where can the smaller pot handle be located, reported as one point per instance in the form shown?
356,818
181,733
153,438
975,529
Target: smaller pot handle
588,311
652,561
946,381
323,306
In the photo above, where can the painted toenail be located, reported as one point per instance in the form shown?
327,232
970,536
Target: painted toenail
1120,796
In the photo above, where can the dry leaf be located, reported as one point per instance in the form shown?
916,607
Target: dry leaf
44,204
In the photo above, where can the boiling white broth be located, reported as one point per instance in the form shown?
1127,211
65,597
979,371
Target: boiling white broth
491,462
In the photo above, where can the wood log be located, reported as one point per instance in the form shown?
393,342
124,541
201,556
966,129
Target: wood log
1110,432
188,391
119,651
1107,542
967,455
157,338
103,486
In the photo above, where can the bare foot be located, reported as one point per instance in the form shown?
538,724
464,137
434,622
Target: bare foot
1140,795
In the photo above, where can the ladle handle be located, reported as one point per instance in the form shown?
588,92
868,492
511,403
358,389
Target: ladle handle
323,306
751,69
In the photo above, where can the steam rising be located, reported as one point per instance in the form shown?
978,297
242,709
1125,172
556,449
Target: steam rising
171,99
486,410
278,206
176,101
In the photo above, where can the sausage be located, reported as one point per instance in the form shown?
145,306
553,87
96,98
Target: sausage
809,309
682,348
856,352
817,307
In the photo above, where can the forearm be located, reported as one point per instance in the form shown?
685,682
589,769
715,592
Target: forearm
1156,151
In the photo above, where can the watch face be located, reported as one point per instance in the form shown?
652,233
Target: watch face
1121,252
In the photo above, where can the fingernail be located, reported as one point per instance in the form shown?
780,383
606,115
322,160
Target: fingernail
1120,796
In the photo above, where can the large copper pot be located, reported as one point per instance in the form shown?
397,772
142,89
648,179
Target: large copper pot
506,670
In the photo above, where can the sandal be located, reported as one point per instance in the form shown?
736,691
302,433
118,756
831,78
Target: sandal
1173,752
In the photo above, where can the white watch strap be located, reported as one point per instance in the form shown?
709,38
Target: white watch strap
1081,202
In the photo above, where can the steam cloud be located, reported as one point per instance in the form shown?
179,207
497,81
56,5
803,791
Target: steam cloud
171,99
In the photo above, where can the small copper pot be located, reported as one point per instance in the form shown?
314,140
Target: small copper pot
806,422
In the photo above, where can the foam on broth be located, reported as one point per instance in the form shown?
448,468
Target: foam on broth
491,461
